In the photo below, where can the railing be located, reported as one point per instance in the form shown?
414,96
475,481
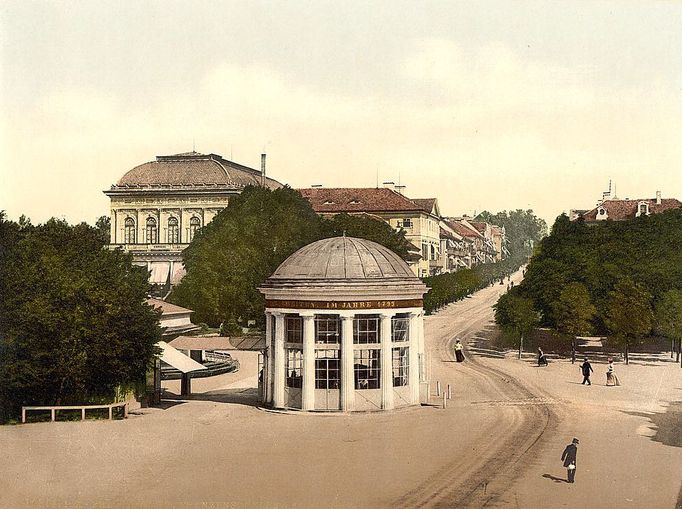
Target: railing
82,408
212,355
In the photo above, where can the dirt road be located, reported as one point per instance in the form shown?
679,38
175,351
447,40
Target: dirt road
496,445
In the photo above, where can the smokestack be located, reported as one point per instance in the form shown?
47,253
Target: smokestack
658,197
262,169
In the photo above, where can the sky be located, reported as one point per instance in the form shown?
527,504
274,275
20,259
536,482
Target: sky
485,105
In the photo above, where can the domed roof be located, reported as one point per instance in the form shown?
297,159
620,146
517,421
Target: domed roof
192,169
343,258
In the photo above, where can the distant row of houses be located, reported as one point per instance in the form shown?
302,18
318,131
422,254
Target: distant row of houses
441,244
157,207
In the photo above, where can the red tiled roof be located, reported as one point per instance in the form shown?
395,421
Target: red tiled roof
426,204
479,225
619,210
346,199
462,230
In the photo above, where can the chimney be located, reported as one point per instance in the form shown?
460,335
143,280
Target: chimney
658,197
262,169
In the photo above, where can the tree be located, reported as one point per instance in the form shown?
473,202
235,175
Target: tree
245,243
74,321
516,315
103,227
573,313
523,229
669,318
628,315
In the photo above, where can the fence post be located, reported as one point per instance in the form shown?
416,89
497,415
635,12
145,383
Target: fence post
445,400
438,388
83,414
53,414
23,415
449,392
111,412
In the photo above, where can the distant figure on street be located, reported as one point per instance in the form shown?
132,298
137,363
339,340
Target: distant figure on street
459,353
587,369
568,457
611,378
542,360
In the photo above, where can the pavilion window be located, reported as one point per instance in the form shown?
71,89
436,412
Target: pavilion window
366,329
294,368
173,231
401,366
293,329
194,225
367,368
152,231
327,369
129,231
327,329
400,327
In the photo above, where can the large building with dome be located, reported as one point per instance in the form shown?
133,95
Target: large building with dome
157,207
344,329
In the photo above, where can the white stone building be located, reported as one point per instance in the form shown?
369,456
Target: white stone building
157,207
344,329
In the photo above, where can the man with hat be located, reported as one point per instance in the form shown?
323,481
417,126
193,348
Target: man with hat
568,457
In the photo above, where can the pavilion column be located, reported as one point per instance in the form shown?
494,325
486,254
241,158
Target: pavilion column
347,361
413,373
308,390
386,362
423,371
278,389
267,355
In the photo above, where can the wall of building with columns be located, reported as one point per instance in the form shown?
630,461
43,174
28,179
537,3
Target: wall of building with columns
343,360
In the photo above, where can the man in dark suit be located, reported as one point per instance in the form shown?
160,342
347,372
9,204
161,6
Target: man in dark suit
587,369
569,456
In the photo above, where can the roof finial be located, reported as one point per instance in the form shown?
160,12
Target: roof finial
194,145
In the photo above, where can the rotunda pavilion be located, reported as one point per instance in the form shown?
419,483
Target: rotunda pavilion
344,329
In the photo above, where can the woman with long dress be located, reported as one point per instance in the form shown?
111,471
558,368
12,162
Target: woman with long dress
459,351
611,378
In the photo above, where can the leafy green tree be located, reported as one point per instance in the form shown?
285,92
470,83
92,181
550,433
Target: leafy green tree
629,316
516,315
103,227
573,313
669,318
74,322
523,229
244,244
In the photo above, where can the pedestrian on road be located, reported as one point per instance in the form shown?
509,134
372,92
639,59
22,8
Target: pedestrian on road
568,457
542,360
459,351
587,369
611,378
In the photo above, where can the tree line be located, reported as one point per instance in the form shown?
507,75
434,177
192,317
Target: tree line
617,278
74,324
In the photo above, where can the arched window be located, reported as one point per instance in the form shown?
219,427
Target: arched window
194,225
129,231
173,231
152,231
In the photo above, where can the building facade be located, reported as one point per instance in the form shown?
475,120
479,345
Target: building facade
344,329
157,207
614,209
418,218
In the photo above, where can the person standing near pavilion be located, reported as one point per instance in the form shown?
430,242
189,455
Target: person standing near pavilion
569,457
587,369
611,377
459,351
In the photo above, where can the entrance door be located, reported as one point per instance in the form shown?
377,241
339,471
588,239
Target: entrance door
327,379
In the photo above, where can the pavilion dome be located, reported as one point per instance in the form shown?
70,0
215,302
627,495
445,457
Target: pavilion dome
341,268
343,258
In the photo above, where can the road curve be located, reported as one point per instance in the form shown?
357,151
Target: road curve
482,479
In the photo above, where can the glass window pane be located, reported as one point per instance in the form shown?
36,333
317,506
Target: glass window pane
367,368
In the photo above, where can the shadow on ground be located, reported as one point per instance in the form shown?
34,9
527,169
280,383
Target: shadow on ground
553,478
247,397
668,429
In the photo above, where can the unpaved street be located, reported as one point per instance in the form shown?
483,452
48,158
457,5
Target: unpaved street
496,445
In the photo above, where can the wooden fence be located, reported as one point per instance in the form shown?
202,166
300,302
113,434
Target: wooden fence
53,409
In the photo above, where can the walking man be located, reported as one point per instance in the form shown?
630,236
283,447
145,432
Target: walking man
587,369
569,456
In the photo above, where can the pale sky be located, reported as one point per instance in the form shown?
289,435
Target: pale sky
483,105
